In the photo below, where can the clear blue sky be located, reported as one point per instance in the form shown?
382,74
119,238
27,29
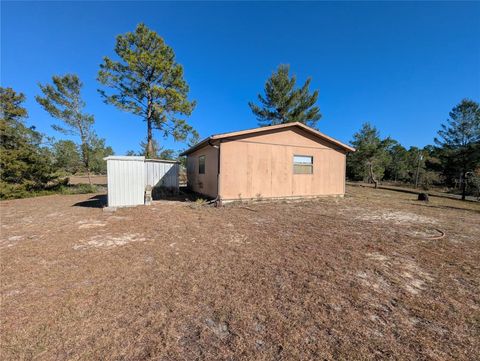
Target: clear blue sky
401,66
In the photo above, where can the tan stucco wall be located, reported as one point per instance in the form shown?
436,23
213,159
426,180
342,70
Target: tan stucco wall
261,166
203,183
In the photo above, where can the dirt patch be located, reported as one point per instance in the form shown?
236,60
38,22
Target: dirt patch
10,241
326,279
90,224
398,217
403,272
108,241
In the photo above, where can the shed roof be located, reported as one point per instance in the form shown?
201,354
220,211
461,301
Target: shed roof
265,129
139,159
125,157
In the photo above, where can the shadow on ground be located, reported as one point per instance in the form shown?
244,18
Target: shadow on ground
450,207
183,195
97,201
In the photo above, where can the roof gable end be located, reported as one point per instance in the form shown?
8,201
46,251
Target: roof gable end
252,132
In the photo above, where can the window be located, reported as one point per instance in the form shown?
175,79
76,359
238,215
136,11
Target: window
190,165
302,164
201,164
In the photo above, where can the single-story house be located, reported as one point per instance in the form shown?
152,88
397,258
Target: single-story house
280,161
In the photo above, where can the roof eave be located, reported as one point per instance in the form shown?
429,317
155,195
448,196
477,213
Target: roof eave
324,137
196,147
264,129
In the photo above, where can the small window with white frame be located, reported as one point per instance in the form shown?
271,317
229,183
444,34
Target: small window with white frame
302,164
201,164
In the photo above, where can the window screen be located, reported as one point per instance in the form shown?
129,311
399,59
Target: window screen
302,164
201,164
190,165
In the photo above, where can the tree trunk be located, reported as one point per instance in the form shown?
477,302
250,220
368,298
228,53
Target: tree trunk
86,161
418,173
150,150
89,177
85,155
464,185
372,176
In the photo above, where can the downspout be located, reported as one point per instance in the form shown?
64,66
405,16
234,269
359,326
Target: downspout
217,200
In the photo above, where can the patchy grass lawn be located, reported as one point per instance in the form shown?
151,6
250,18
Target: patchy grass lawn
353,278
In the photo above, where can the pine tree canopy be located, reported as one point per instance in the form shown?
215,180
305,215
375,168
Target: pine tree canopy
371,154
463,126
459,140
284,103
148,82
11,105
24,164
62,100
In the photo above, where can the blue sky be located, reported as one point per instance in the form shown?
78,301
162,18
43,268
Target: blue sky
401,66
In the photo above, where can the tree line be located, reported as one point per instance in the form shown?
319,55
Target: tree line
453,161
146,80
31,161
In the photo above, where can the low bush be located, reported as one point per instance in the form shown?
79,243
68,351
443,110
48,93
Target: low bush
13,191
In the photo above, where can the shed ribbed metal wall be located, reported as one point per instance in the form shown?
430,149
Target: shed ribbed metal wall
128,176
161,173
126,181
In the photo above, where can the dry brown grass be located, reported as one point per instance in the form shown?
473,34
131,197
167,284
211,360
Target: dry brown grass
83,179
332,279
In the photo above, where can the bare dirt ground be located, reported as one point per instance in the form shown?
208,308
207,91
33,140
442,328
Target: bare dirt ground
336,279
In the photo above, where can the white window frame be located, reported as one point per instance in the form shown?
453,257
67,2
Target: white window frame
294,163
204,163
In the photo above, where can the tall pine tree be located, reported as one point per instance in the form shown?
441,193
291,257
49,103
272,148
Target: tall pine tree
371,156
24,164
62,100
148,82
459,140
284,103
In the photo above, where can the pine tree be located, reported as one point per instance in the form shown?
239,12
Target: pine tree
371,156
148,82
459,139
155,148
62,100
397,169
24,164
159,152
67,157
97,151
283,103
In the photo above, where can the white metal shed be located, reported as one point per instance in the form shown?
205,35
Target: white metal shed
161,173
128,176
126,180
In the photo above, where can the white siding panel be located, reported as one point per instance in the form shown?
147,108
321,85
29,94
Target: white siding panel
159,173
126,181
128,176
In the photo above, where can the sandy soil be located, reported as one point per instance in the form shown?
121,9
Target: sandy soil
353,278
